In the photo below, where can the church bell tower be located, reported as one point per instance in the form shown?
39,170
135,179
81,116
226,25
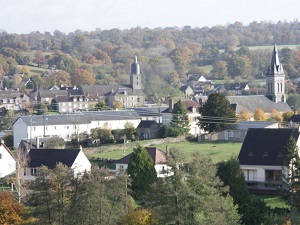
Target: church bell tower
135,75
275,79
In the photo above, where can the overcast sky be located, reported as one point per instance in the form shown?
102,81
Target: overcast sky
24,16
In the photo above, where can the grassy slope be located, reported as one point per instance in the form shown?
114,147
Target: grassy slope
217,151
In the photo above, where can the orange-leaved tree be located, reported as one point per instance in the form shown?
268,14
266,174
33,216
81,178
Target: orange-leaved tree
260,115
139,216
11,212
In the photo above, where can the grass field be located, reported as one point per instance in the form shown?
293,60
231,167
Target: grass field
217,151
274,201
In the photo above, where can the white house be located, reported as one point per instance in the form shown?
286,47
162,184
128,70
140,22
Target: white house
31,127
73,158
192,108
262,157
7,161
158,156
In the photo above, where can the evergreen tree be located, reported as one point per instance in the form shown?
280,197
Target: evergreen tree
291,175
232,176
216,113
141,171
193,194
180,121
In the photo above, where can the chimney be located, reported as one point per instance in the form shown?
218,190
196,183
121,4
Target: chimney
171,105
200,101
37,142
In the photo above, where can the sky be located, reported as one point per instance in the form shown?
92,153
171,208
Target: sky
25,16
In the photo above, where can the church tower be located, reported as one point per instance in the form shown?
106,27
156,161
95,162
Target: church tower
275,79
135,76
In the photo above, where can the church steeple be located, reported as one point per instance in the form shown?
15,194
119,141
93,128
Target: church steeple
135,75
275,79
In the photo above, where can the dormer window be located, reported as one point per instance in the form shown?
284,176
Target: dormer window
266,154
250,154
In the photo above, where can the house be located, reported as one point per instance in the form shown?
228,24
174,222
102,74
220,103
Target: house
238,131
148,129
158,156
74,103
7,161
73,158
238,88
64,126
262,157
294,121
186,90
192,109
151,113
12,99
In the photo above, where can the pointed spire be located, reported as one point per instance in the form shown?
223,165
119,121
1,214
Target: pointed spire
135,59
275,66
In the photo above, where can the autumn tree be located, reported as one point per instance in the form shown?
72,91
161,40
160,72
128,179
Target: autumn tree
219,70
139,216
259,115
287,115
11,212
61,78
276,115
81,77
39,58
216,113
245,115
142,171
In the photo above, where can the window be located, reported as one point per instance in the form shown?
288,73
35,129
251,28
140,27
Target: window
251,175
230,134
0,156
33,172
54,127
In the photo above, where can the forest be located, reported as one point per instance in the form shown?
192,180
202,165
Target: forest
166,55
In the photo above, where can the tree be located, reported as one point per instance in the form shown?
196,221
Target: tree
7,120
101,105
39,58
245,115
180,120
219,70
81,77
276,115
239,66
216,113
231,175
55,142
259,115
287,115
11,212
139,216
192,194
129,130
291,175
294,101
61,78
141,170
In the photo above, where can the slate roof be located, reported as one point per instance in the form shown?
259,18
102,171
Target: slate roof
295,119
150,111
265,146
51,157
187,104
158,156
238,86
80,118
146,124
51,93
253,102
100,90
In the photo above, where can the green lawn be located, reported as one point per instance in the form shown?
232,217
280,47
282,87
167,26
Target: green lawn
274,201
217,151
